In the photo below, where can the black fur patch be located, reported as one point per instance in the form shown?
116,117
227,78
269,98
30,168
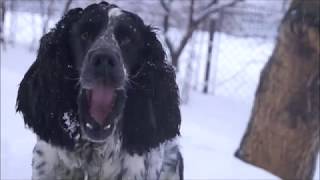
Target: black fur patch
39,166
38,152
50,87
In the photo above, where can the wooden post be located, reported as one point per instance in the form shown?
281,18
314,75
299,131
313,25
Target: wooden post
283,133
212,27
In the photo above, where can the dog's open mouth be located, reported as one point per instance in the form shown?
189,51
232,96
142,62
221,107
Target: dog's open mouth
100,106
101,101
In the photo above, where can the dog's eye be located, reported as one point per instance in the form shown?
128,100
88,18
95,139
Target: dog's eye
85,36
124,40
124,35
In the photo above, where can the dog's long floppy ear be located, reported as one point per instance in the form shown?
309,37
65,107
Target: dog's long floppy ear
152,113
48,91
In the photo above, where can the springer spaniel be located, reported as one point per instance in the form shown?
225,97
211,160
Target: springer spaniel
102,100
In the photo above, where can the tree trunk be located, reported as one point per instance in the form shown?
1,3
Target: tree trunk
283,133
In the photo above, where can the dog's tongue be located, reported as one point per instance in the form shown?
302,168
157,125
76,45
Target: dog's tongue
101,103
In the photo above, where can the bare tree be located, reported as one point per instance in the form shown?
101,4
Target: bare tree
197,12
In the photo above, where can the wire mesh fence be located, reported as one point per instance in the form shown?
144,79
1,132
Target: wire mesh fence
240,48
242,41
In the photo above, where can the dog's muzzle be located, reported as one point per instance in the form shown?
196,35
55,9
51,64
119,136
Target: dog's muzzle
102,81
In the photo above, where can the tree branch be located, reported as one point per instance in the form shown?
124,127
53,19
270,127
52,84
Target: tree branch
67,6
191,26
214,10
49,14
209,5
167,8
191,12
184,40
169,45
165,5
166,22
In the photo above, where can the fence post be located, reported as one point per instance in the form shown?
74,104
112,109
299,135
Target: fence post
212,27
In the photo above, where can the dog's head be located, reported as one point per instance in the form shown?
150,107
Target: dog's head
106,44
101,70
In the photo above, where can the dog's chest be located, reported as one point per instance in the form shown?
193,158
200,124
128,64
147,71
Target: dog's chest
90,162
103,163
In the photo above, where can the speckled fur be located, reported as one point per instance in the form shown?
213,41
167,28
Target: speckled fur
143,143
105,161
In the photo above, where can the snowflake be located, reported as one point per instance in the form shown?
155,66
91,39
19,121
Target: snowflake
71,125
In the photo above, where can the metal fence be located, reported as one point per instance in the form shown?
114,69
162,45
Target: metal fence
243,40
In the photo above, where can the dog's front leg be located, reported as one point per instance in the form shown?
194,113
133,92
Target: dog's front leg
44,161
172,168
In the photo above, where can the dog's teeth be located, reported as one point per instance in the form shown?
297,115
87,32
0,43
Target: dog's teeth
89,125
107,127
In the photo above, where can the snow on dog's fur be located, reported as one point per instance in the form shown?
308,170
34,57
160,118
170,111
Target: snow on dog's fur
102,100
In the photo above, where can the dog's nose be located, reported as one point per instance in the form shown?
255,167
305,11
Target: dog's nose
105,66
104,62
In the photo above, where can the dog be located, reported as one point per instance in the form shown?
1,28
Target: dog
102,100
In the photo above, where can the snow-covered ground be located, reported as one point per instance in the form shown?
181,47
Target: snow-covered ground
212,128
211,134
212,125
16,141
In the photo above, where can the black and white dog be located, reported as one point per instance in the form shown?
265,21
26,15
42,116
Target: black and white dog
102,100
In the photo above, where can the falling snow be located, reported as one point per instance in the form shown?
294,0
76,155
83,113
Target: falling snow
208,129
